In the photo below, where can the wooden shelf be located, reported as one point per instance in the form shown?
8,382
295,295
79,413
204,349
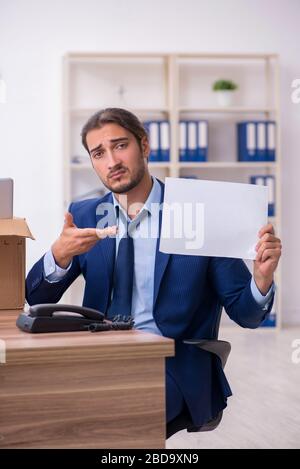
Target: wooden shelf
227,164
228,56
86,166
208,165
78,56
227,110
89,112
159,164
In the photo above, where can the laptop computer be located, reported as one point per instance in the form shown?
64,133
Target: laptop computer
6,197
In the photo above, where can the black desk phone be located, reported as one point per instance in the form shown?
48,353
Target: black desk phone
50,317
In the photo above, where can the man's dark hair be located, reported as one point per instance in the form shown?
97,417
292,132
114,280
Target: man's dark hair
114,115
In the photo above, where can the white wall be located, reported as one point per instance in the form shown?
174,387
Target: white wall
34,35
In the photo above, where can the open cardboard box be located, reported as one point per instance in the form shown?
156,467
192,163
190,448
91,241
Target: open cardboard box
13,234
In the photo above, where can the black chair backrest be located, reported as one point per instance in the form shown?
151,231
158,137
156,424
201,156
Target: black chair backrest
221,349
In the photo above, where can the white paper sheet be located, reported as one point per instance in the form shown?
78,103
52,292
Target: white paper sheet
212,218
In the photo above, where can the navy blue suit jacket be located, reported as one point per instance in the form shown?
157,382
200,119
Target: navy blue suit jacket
189,293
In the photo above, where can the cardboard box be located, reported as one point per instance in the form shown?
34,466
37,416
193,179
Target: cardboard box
13,234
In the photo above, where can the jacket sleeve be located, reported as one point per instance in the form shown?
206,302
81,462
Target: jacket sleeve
231,280
39,290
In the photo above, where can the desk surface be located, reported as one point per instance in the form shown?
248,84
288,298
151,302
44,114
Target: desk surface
23,347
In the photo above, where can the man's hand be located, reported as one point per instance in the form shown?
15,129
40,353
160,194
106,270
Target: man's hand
268,253
73,241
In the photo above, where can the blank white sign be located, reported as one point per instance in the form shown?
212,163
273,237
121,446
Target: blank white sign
212,218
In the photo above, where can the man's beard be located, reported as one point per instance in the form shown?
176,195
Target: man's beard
127,186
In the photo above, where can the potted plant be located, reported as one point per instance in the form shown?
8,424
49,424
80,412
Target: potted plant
224,89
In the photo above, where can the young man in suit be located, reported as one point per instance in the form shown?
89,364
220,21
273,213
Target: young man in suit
173,295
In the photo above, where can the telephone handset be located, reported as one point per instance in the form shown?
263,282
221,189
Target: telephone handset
50,317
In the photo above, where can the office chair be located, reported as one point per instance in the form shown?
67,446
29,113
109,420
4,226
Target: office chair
183,421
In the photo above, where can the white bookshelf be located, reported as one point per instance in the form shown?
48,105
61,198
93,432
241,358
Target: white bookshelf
172,86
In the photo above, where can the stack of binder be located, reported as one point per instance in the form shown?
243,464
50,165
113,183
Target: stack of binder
159,138
268,181
256,140
193,140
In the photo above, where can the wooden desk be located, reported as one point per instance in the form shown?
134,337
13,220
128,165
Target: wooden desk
82,389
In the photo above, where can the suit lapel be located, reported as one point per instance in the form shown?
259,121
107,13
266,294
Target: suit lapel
161,259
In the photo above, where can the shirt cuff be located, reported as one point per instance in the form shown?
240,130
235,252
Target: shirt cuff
52,271
262,300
